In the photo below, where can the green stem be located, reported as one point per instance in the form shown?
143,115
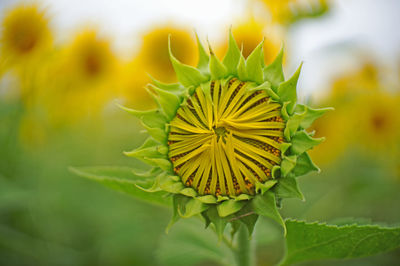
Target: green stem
244,254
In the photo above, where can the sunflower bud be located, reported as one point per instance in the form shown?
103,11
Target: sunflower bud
228,140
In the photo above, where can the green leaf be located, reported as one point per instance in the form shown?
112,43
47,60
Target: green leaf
121,179
168,101
274,72
287,90
149,118
229,207
314,241
265,205
287,187
302,142
304,165
164,164
203,56
310,114
187,75
264,187
232,56
217,69
253,65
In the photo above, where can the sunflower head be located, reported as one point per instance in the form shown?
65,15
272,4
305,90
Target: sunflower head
25,32
228,140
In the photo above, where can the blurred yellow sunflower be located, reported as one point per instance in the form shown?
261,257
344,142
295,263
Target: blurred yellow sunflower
25,33
80,80
289,11
154,57
377,122
132,82
362,80
336,127
249,34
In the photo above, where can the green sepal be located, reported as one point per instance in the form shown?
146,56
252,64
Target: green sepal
284,147
150,118
219,223
150,148
242,197
274,72
302,142
272,94
247,217
177,202
241,69
304,165
235,225
265,205
310,114
168,101
264,187
192,207
217,69
175,88
155,185
287,90
207,220
152,173
253,65
171,186
232,56
229,207
189,192
222,198
292,125
287,164
284,113
160,162
203,56
157,133
287,187
187,75
276,171
209,199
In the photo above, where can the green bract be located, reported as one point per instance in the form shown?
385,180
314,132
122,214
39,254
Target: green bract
228,140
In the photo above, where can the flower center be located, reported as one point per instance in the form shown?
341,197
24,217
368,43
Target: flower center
226,138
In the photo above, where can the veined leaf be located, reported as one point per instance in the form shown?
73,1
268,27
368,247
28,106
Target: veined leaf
121,179
315,241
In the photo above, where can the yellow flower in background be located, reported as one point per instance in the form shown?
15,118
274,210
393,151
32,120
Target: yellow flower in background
132,82
25,33
362,80
336,127
80,79
89,57
377,122
249,34
153,55
289,11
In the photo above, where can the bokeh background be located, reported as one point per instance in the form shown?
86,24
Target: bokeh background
65,64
